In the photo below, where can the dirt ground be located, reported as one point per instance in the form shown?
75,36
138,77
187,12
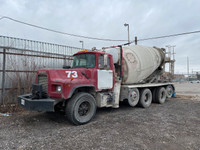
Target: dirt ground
173,125
192,89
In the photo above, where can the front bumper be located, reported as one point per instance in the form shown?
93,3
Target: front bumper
27,102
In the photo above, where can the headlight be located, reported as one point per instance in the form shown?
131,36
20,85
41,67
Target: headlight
58,88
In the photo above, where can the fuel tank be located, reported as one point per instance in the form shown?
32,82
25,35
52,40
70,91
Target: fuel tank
139,62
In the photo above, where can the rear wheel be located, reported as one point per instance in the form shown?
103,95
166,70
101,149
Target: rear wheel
154,95
133,97
81,108
145,98
161,95
169,91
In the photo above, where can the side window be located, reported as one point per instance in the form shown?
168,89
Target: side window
101,63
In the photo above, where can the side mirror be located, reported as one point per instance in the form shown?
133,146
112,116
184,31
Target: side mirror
105,61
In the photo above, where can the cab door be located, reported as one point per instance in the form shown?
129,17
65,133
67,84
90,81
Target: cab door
104,73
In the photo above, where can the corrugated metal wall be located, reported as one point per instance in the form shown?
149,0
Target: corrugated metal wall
20,58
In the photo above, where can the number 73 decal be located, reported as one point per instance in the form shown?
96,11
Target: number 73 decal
72,74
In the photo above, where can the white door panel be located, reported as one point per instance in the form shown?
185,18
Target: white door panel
105,79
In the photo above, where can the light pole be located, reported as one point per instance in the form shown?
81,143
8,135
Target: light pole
188,67
127,25
82,44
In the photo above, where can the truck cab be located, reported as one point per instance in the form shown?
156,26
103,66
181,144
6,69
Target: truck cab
88,84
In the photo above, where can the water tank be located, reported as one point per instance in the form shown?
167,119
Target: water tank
139,62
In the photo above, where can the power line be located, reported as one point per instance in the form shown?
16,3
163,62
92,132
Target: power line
75,35
164,36
93,38
172,35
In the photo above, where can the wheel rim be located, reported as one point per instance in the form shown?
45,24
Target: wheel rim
133,97
162,95
169,91
146,97
84,108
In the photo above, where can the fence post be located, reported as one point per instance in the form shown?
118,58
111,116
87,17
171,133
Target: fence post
65,59
3,76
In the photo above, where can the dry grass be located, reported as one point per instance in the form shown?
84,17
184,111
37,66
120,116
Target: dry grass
20,82
10,108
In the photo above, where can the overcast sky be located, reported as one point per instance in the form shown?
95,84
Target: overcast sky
105,19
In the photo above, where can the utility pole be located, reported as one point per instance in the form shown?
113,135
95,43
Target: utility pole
188,67
82,44
135,40
127,25
173,59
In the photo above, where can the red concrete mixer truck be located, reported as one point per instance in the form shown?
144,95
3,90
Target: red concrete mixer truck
101,79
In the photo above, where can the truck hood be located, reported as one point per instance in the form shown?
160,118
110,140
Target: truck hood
68,79
67,75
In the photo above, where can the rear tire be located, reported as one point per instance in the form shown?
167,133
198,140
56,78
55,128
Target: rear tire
154,95
81,108
169,91
161,95
145,98
133,97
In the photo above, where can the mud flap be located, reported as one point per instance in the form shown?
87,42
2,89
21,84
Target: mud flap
117,88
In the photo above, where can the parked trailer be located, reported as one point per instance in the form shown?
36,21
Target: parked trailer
101,79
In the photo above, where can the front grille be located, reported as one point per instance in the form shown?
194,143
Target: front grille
43,80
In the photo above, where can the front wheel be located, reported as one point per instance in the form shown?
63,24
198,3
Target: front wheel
133,97
81,108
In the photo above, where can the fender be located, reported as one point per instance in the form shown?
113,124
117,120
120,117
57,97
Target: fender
79,86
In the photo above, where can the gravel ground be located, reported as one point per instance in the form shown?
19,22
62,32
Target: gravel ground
192,89
173,125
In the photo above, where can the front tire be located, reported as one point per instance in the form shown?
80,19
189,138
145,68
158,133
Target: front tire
81,108
133,97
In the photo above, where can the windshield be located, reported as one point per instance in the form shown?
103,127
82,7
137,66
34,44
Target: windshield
84,61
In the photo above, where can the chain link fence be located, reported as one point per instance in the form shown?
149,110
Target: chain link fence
21,58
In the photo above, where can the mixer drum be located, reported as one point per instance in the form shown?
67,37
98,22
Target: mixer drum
139,62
